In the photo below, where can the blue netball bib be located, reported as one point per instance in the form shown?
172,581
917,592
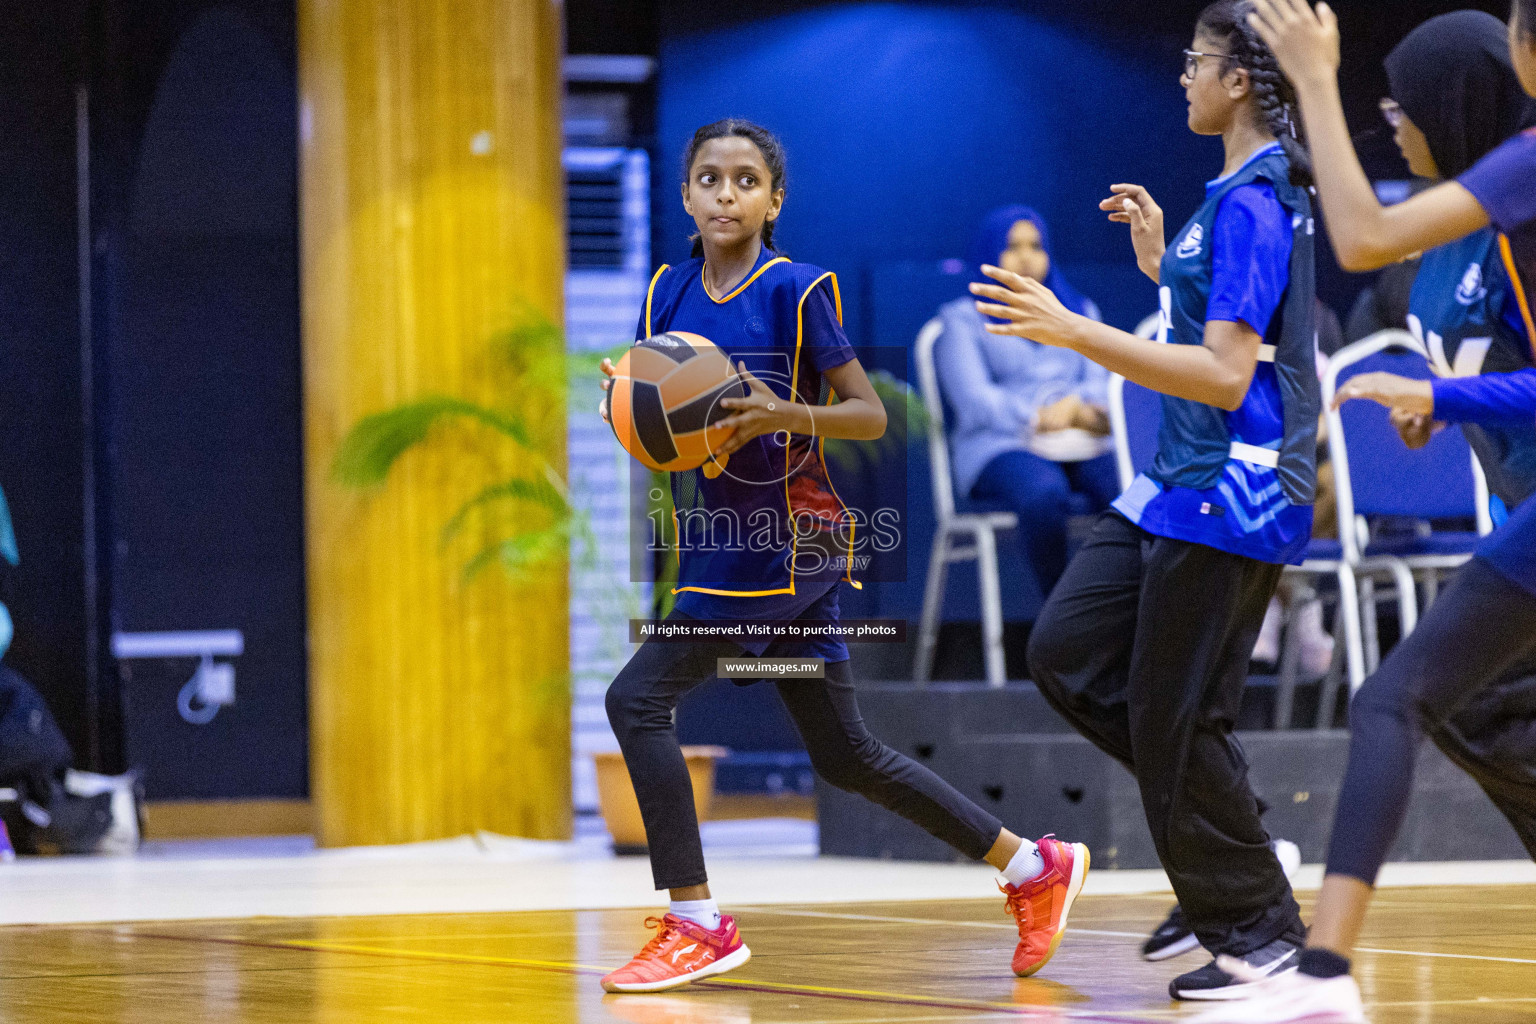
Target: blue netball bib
1458,310
1240,481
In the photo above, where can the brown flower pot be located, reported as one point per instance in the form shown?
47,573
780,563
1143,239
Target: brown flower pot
616,797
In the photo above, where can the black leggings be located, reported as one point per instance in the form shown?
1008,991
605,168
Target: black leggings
640,704
1463,677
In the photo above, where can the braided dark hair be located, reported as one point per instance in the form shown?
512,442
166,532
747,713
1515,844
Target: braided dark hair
1227,20
767,144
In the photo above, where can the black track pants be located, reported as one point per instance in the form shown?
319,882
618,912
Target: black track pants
1143,646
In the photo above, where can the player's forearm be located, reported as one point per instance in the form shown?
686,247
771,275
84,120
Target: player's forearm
1183,371
852,419
1489,397
1358,225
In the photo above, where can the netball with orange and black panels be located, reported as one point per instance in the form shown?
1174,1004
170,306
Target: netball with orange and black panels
665,400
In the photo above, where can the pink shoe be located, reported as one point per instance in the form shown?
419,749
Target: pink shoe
681,951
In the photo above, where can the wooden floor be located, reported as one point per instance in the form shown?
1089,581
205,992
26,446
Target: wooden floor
1430,955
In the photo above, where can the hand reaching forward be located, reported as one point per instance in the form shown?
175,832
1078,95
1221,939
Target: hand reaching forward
1133,205
1404,394
1032,310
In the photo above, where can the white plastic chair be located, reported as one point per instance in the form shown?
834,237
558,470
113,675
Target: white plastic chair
951,532
1354,533
1119,430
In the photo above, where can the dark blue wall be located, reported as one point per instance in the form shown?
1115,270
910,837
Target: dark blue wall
906,122
42,438
200,337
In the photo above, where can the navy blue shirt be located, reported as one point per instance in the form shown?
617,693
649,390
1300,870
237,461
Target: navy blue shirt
783,322
1486,398
1504,183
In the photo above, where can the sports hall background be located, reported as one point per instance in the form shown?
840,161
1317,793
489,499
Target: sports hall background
231,228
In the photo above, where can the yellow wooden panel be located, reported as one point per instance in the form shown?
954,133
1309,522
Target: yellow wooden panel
432,218
218,819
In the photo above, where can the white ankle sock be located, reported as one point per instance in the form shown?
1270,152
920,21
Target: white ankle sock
701,912
1026,864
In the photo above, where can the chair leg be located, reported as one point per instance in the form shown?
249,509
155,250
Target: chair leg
991,606
1431,587
1407,598
1354,647
1328,689
1369,631
933,606
1290,662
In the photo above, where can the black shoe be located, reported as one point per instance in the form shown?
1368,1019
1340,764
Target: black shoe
1211,982
1172,938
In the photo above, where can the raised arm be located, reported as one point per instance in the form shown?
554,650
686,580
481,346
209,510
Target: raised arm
1134,205
1365,234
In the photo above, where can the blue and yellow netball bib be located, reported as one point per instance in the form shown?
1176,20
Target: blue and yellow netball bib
771,524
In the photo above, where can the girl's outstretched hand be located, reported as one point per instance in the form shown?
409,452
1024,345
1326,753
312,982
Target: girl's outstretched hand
1410,396
1032,310
1133,205
760,412
1304,41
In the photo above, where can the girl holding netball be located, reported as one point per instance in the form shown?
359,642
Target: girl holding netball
763,548
1144,643
1484,624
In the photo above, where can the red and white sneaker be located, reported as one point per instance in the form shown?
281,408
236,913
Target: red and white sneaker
681,951
1041,905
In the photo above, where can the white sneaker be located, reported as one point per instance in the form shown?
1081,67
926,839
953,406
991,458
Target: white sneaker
1267,648
1315,641
1292,998
125,833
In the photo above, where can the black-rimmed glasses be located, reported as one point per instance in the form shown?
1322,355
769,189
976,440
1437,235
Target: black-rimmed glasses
1192,61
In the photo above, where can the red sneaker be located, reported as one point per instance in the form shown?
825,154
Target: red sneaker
1041,905
681,951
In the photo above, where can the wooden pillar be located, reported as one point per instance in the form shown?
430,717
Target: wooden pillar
433,221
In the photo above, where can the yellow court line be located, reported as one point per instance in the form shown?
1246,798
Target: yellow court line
1448,956
1092,931
931,921
1472,1001
895,997
772,986
421,954
411,954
